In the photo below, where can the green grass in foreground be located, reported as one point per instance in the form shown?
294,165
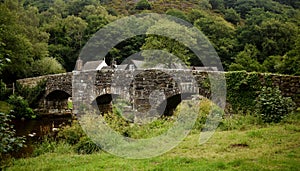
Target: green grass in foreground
268,147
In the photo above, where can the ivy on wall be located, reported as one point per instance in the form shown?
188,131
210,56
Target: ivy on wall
31,94
244,88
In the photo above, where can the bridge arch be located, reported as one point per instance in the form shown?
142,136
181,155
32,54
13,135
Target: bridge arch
104,103
169,105
58,102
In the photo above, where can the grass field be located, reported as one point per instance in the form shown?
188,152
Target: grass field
251,147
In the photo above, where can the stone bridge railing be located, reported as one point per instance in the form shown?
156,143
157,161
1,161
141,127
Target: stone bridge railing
138,86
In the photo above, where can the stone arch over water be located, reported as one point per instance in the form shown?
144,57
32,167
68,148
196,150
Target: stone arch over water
57,101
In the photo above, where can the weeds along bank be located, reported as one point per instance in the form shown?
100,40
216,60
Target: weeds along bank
74,139
242,142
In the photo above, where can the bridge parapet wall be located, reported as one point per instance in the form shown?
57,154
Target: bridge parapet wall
139,86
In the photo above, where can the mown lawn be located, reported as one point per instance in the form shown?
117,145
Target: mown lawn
268,147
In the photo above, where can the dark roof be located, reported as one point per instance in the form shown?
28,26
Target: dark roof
92,65
138,64
123,67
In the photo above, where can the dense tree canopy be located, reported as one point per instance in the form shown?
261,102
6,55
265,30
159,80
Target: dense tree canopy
251,35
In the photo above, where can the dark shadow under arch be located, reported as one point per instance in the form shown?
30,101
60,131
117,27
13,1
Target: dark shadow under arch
170,104
104,103
57,102
57,95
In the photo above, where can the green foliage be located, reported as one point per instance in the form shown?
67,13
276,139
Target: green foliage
9,142
20,107
75,136
49,145
273,63
176,52
194,15
247,60
240,122
217,4
4,92
242,90
33,32
272,106
177,13
149,130
143,5
226,150
47,66
46,146
206,107
31,94
86,146
291,61
21,40
116,121
220,33
295,3
232,16
71,134
5,107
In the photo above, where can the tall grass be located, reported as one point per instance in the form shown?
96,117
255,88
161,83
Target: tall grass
263,147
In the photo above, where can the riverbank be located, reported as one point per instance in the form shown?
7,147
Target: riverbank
242,146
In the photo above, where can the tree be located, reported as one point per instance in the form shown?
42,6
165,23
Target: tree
247,60
66,39
47,66
221,34
205,5
177,13
143,5
277,37
195,14
96,18
177,49
270,33
273,64
74,7
232,16
217,4
244,6
22,40
291,60
230,3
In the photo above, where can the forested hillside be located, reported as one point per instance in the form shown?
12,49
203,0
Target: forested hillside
39,37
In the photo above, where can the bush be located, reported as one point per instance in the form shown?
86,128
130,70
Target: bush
31,94
272,106
21,108
86,146
177,13
116,121
46,66
143,5
9,142
232,16
71,134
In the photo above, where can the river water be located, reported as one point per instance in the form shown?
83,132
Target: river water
36,130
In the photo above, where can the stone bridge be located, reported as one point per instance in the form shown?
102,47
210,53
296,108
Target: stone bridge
58,90
137,88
